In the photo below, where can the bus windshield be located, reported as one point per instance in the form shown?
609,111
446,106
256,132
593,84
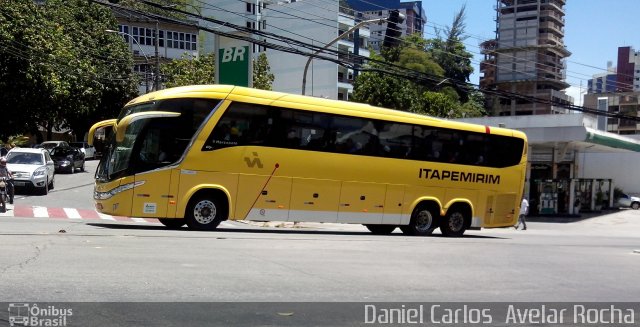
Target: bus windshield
152,143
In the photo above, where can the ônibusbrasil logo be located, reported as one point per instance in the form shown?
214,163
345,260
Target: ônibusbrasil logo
25,314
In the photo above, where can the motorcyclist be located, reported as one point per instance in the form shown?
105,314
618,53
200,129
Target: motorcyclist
4,172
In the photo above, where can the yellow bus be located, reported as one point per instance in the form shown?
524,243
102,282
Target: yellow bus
199,155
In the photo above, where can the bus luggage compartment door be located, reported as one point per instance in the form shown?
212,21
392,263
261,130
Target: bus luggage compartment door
260,200
361,203
314,200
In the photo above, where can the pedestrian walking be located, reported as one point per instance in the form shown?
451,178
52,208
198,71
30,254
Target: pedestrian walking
524,210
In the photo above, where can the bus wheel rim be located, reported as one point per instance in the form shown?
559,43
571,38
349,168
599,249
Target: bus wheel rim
424,220
456,221
204,212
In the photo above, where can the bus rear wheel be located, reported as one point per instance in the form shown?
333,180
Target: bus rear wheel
454,223
205,212
423,221
173,223
381,229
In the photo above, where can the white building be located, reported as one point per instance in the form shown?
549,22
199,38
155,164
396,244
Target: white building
139,31
313,22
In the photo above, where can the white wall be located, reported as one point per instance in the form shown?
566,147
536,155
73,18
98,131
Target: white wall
288,68
623,168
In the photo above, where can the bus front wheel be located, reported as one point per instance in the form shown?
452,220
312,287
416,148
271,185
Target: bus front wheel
381,229
454,223
173,223
423,221
205,212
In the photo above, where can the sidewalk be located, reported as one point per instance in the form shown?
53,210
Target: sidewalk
566,218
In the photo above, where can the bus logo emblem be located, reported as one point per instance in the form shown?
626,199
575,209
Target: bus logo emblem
253,162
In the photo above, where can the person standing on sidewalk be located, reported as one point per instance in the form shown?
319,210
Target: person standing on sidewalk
524,210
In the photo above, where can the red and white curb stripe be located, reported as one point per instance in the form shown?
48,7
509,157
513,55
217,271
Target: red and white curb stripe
20,211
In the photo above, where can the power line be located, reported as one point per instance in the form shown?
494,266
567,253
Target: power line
406,73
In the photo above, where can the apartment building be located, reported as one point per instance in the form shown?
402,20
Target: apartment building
414,15
313,22
617,91
527,57
154,42
623,78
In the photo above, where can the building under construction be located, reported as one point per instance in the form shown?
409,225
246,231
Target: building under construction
526,58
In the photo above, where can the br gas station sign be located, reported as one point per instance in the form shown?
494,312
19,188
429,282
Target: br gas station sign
233,62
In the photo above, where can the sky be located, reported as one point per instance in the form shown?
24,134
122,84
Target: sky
594,29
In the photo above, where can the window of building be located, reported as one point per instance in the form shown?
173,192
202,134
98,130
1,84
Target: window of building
134,33
124,30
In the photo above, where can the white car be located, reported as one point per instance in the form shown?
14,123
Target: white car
88,150
31,168
627,201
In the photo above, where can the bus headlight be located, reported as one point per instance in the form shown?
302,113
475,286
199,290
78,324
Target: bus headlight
106,195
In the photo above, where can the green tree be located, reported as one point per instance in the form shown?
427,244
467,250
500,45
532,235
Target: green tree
58,66
474,107
382,85
450,53
262,76
189,70
437,104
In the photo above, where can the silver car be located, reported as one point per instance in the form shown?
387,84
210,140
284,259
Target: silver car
627,201
31,168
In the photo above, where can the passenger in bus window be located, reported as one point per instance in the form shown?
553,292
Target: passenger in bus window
292,141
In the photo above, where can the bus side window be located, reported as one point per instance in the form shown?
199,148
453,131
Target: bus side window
301,129
241,124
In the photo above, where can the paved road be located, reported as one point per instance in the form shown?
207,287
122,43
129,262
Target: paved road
64,260
51,257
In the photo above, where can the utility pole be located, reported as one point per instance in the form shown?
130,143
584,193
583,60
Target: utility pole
157,68
356,47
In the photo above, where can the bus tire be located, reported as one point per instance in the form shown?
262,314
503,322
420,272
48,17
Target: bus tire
423,221
381,229
455,222
205,212
172,223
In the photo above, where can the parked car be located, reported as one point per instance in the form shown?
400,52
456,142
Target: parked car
627,201
52,144
88,150
66,158
32,168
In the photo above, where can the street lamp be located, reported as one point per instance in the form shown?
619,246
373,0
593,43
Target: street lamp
146,58
355,27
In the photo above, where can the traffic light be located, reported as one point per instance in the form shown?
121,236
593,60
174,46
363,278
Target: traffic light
392,36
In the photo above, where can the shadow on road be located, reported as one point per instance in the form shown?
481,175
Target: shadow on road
271,230
565,219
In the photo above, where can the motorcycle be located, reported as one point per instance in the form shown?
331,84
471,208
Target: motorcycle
4,194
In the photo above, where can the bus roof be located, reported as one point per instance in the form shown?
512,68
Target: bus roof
272,97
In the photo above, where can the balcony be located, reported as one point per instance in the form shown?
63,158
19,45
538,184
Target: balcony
553,26
553,4
557,15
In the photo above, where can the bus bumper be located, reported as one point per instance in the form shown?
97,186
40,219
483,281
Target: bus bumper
476,223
